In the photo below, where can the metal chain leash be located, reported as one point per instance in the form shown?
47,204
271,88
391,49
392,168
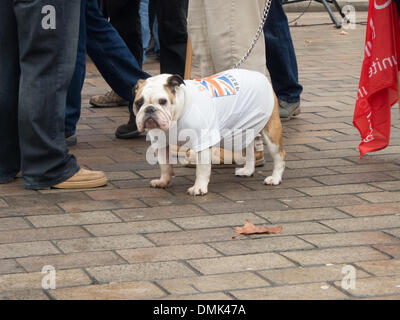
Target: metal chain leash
257,35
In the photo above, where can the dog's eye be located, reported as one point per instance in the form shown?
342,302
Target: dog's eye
139,103
162,102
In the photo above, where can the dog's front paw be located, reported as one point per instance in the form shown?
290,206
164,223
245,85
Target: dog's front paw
197,190
159,183
272,181
244,172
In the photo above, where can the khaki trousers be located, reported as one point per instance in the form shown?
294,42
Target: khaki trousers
221,31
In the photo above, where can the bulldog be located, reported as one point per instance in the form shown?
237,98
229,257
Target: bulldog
231,107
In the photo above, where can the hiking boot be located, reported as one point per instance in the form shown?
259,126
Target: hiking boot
71,140
84,179
129,130
110,99
288,110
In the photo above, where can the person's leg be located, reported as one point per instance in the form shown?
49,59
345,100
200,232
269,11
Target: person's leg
144,18
153,23
44,82
172,32
124,16
113,59
110,54
280,55
156,38
9,79
73,111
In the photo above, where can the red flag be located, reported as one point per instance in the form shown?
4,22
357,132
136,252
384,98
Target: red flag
378,89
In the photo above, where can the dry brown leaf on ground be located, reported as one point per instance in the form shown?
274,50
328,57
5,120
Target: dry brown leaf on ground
250,228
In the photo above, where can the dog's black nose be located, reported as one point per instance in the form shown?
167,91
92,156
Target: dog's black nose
150,110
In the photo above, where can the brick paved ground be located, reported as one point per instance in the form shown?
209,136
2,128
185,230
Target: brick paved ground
130,241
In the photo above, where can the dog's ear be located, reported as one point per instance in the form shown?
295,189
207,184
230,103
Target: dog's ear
137,86
174,81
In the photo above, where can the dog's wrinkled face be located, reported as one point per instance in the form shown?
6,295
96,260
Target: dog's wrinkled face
158,101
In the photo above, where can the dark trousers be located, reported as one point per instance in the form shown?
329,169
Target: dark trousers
36,67
111,56
280,55
172,32
124,16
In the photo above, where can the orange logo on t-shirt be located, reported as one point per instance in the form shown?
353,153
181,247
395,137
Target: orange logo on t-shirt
218,85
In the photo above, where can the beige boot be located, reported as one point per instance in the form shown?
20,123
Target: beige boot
84,179
110,99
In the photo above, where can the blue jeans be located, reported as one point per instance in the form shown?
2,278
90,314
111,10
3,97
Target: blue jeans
111,56
280,55
144,18
36,67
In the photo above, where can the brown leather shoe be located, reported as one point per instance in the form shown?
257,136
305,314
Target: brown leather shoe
84,179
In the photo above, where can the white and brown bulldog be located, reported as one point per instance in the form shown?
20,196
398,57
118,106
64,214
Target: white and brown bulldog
231,107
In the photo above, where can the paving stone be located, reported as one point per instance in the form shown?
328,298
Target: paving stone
121,175
192,236
22,281
94,205
13,223
240,263
261,194
260,245
103,243
302,215
316,163
56,233
74,219
381,268
375,286
126,194
354,178
340,189
389,185
23,295
394,232
296,229
243,206
335,255
221,282
181,252
111,291
109,229
223,220
325,201
293,292
21,211
70,261
372,209
364,223
201,297
141,271
181,198
25,249
10,266
392,250
164,212
309,274
349,239
289,183
379,197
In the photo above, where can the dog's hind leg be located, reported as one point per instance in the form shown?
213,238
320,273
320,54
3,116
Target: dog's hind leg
250,164
272,133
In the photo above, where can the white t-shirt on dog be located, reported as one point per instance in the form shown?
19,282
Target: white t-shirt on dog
229,108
